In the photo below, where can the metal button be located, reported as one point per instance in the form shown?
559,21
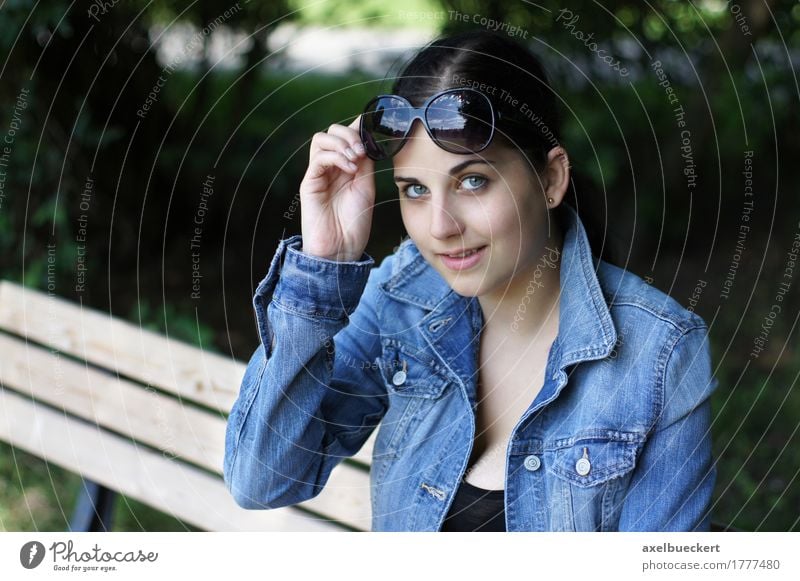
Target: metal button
399,378
532,463
583,466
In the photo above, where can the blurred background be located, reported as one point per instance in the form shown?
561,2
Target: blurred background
129,124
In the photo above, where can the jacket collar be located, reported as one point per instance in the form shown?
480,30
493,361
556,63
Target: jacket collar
586,330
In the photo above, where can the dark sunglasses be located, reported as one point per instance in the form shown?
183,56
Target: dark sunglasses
460,120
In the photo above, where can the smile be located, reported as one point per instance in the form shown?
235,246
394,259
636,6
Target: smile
463,254
463,260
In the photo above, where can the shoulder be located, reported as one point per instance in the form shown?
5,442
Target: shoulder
656,328
403,261
667,343
404,255
392,267
628,295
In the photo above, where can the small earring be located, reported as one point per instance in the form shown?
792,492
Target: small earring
549,200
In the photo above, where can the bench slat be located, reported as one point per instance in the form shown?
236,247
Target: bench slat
156,420
121,347
364,455
151,358
174,488
124,407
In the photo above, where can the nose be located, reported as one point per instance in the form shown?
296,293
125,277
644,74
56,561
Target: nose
445,222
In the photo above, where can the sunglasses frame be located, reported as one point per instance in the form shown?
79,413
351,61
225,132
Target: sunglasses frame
421,114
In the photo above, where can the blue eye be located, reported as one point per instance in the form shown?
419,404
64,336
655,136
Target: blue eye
483,181
471,183
405,191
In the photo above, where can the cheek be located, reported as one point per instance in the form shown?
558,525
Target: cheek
411,220
534,235
415,221
518,228
503,220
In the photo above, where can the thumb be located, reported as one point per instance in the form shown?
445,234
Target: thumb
356,123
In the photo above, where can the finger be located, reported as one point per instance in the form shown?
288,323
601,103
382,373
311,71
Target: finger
326,160
349,134
332,142
356,127
327,142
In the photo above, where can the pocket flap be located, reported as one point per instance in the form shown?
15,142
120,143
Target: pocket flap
592,461
409,371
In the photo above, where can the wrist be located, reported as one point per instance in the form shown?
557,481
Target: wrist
339,257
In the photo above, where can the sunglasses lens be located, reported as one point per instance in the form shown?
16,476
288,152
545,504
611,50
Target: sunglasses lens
461,121
384,125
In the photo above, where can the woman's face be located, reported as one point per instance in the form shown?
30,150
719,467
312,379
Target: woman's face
492,200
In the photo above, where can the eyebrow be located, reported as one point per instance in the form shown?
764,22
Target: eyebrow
453,171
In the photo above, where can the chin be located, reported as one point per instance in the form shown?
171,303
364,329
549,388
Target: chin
468,284
465,292
465,286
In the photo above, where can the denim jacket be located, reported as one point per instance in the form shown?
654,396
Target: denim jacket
618,438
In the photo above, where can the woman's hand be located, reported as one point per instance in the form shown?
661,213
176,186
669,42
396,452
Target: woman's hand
337,195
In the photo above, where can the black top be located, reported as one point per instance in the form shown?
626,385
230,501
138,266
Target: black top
476,510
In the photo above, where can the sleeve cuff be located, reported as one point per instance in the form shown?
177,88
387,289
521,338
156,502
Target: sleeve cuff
311,285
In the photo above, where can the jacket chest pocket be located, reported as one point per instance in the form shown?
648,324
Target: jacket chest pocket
589,478
416,385
411,372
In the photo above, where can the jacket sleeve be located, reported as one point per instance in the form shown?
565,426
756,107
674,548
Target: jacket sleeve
310,396
673,483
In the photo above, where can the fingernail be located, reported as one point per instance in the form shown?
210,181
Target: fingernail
350,153
359,147
351,165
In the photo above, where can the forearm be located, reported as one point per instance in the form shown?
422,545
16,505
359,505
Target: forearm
276,434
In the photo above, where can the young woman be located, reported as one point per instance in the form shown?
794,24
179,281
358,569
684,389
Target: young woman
519,383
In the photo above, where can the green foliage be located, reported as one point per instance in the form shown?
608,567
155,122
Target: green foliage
34,495
372,13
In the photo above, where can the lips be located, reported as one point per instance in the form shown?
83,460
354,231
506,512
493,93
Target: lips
461,253
465,262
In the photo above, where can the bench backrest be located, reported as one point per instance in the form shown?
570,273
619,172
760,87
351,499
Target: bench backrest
142,414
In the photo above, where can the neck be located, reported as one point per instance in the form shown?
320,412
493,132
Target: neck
529,305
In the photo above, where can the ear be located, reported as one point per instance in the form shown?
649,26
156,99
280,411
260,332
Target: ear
556,175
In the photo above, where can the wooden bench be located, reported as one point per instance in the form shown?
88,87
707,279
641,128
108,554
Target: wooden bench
138,413
135,412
